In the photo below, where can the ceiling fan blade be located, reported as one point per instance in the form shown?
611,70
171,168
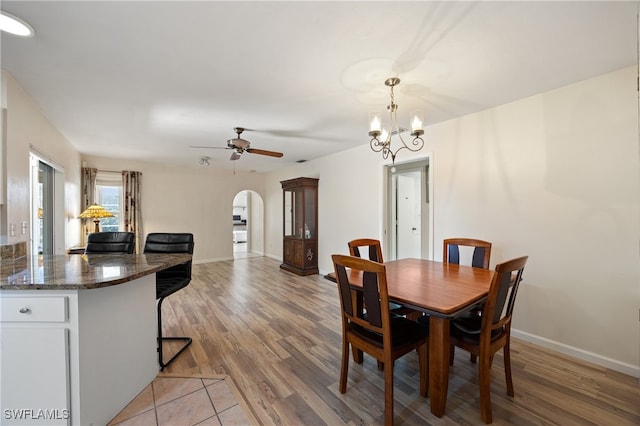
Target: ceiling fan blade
282,133
264,152
208,147
234,156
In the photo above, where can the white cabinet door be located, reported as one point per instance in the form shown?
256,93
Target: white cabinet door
35,376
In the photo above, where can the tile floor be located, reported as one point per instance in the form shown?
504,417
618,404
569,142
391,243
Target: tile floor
185,401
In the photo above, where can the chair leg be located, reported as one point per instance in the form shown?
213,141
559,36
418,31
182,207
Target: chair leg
423,362
473,358
484,382
388,394
357,355
452,353
507,368
344,365
161,339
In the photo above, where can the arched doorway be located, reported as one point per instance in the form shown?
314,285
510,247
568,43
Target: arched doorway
248,225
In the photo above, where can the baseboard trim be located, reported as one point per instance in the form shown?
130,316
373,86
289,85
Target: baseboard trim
629,369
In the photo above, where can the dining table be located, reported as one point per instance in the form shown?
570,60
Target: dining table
443,291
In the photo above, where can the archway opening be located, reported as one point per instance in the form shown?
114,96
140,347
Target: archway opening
248,224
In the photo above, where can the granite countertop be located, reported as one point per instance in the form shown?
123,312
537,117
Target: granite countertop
87,271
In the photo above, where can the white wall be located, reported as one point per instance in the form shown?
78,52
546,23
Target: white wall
27,127
555,176
256,222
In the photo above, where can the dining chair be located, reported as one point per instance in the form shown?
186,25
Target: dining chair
374,249
170,280
111,242
486,334
481,251
377,332
480,257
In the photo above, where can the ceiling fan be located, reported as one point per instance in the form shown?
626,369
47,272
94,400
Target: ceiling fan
239,146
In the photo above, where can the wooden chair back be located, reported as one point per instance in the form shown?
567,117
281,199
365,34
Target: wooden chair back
374,292
374,250
481,251
373,247
498,309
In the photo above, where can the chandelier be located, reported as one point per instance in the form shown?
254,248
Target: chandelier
381,132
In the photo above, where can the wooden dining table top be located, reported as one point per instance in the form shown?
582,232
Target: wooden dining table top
437,288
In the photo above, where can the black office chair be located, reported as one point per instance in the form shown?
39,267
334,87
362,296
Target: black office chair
170,280
111,242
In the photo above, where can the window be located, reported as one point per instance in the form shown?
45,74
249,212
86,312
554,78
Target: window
109,196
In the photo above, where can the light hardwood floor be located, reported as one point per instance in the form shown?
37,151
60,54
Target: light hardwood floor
277,336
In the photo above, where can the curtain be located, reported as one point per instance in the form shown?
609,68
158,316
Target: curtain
131,207
88,185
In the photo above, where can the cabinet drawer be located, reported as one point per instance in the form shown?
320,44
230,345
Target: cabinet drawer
33,309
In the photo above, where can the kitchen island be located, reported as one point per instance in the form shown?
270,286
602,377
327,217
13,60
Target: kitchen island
78,335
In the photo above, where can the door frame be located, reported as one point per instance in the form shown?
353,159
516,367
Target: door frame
255,222
425,165
57,215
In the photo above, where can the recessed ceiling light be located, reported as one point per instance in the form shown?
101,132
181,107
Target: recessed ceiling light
15,26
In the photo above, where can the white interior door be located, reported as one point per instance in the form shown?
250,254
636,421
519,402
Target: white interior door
409,224
408,213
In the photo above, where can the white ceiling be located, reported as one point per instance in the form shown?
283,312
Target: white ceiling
149,79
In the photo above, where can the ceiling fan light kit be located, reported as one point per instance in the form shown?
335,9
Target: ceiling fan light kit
381,132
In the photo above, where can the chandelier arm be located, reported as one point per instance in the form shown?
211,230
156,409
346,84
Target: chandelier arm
418,144
376,145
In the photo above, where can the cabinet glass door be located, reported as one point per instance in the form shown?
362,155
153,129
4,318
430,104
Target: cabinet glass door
310,213
289,202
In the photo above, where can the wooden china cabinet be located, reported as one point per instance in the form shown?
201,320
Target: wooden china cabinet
300,219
